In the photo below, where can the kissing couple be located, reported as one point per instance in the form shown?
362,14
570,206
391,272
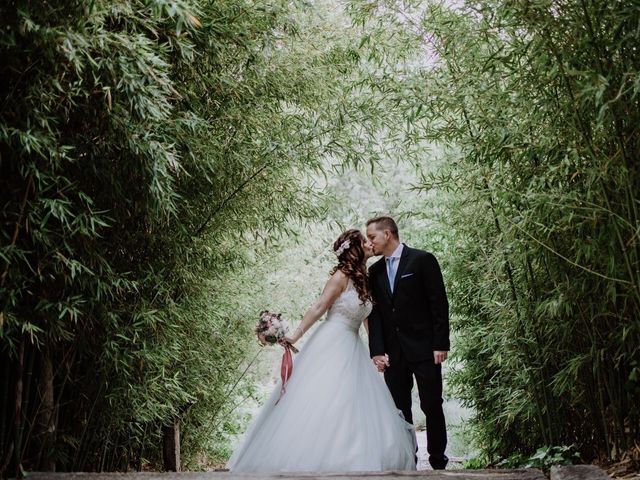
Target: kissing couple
337,414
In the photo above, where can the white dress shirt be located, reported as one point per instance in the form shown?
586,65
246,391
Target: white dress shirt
392,262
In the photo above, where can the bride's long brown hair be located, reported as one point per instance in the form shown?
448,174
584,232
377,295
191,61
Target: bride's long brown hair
351,262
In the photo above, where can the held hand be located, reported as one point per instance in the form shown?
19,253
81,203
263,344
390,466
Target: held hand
439,356
381,362
288,342
297,334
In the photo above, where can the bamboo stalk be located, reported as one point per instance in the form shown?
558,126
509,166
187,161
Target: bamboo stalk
81,442
46,416
228,393
18,408
602,406
31,354
141,450
4,406
16,230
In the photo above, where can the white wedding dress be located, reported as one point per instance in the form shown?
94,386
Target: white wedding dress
337,414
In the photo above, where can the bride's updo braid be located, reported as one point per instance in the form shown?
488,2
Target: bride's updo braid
351,262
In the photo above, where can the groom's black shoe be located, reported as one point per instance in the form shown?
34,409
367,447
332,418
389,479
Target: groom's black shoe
438,462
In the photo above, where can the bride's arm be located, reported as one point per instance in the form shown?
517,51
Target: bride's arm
332,290
366,325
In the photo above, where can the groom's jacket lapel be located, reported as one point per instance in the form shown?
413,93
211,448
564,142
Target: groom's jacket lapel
401,266
383,276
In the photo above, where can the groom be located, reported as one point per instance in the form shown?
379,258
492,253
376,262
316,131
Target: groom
409,328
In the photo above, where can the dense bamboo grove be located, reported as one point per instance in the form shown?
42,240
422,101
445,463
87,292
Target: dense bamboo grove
152,153
538,200
149,153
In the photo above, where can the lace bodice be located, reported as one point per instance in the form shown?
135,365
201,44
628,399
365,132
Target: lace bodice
348,308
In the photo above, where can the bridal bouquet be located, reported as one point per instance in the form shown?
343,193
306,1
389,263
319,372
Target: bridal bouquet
271,329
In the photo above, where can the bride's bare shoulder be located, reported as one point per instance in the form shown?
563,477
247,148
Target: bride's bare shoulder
339,274
338,279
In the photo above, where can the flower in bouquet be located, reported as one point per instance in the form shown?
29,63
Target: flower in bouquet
271,328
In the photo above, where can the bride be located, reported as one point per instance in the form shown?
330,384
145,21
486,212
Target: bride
337,414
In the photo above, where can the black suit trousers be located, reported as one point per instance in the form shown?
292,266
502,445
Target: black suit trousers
399,378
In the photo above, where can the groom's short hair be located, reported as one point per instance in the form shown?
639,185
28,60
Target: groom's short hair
385,223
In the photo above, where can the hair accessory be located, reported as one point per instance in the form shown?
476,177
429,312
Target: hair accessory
343,246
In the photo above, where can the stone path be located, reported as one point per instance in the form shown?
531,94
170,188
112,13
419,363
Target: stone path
525,474
573,472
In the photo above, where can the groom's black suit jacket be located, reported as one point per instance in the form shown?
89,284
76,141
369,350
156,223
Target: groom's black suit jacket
414,320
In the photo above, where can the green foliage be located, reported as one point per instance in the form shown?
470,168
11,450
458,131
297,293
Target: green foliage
535,200
544,458
150,155
475,463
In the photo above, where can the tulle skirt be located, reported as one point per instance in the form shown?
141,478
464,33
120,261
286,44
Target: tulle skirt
337,414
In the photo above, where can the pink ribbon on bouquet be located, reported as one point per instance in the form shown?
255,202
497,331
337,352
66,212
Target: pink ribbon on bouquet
286,368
